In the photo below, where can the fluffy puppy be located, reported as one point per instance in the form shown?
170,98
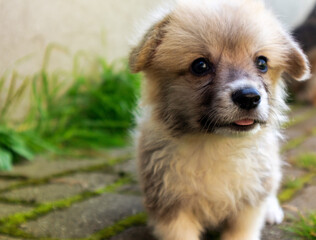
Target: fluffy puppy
208,147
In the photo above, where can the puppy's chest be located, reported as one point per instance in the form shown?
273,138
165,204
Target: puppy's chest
224,174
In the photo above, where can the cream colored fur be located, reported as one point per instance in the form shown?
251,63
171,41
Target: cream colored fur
214,173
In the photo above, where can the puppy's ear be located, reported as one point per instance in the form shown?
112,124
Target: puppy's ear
297,65
141,56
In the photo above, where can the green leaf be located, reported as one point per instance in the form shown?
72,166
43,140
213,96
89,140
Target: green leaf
19,147
5,160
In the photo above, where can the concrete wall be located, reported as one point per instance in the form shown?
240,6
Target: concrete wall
102,27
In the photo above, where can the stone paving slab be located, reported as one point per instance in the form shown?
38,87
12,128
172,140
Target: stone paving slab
308,146
60,188
2,237
85,218
305,200
118,152
42,168
276,233
129,167
130,189
301,128
291,173
4,183
87,181
8,209
297,111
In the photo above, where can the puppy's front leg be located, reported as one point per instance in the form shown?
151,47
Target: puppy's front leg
274,213
184,227
247,225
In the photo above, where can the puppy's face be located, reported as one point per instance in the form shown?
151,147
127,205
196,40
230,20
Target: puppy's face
214,66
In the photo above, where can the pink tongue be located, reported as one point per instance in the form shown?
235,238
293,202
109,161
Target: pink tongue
245,122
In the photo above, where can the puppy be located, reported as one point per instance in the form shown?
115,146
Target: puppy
213,101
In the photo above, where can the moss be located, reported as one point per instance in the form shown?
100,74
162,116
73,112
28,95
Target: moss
30,203
9,225
289,192
306,161
292,183
16,232
131,221
12,177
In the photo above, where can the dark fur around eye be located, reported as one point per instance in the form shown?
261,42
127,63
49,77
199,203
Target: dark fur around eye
201,67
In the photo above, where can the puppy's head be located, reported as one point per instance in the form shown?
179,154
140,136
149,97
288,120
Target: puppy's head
215,66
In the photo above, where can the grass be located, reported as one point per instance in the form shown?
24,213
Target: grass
96,110
293,187
304,227
306,161
68,110
12,147
292,184
93,112
14,144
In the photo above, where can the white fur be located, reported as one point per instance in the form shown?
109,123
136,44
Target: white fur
274,212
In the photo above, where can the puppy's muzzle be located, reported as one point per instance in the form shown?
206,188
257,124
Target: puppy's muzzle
246,98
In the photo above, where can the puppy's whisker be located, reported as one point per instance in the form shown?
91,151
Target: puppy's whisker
204,87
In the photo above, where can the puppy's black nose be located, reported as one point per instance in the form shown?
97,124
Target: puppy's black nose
247,98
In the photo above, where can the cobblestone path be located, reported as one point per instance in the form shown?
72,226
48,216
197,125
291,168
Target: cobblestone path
99,198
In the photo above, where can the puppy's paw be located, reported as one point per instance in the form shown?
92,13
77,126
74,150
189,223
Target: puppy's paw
274,213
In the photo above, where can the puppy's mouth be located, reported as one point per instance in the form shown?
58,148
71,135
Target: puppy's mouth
244,124
241,125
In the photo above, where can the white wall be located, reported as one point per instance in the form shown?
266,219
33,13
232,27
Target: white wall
291,12
100,26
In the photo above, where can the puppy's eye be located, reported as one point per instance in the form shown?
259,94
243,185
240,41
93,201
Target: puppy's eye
262,64
201,67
